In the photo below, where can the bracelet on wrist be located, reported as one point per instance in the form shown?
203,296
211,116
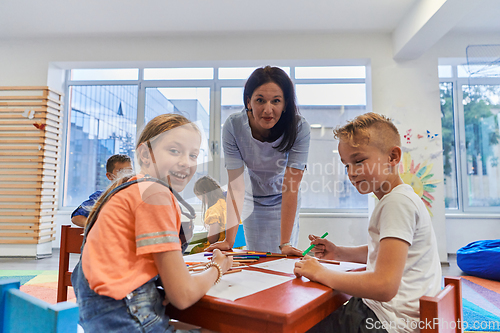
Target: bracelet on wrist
284,244
219,270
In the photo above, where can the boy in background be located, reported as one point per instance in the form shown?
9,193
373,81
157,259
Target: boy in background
401,254
115,165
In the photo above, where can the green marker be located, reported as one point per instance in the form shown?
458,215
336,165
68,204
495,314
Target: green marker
313,245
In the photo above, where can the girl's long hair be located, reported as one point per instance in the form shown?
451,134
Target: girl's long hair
153,129
209,190
287,125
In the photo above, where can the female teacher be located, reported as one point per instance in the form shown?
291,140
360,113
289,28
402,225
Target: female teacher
272,140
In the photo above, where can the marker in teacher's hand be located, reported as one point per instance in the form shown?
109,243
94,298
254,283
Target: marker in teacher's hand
313,245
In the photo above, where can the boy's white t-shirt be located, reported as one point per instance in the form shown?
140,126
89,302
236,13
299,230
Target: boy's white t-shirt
402,214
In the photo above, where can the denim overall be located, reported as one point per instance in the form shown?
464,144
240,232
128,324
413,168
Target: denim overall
142,309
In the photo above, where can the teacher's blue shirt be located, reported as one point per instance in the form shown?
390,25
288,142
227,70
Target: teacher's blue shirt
265,164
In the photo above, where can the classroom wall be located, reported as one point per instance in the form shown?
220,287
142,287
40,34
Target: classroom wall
407,91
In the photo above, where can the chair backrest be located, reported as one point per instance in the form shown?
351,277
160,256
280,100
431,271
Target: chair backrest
443,312
20,312
71,241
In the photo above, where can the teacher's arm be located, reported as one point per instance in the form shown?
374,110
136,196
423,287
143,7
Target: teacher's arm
234,203
290,192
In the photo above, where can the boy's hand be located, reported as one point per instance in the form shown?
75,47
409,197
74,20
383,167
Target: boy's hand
308,267
324,249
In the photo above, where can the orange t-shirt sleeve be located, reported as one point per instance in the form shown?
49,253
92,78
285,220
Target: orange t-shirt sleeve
157,221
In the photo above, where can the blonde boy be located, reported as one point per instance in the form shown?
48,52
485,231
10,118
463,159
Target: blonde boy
401,254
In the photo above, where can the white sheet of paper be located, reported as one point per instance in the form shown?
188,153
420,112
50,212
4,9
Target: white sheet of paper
344,266
245,283
281,265
197,257
287,265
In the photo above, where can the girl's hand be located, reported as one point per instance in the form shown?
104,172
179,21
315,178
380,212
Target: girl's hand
225,262
165,301
309,268
324,249
291,251
222,245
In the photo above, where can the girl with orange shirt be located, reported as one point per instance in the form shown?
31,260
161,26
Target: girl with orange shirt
134,237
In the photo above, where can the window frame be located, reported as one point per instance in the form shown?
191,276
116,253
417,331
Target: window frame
460,145
215,85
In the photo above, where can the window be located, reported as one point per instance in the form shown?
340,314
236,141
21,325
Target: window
109,107
102,123
470,106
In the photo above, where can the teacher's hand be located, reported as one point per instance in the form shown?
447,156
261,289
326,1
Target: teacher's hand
291,251
222,245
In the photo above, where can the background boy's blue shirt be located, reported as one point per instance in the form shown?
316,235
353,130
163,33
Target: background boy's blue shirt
86,206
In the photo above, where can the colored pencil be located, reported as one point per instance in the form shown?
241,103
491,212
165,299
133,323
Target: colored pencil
275,255
326,261
233,271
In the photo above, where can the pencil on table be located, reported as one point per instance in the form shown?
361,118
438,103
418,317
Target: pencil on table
275,255
198,268
326,261
233,271
197,265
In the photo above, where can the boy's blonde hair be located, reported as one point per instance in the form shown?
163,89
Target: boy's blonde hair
369,128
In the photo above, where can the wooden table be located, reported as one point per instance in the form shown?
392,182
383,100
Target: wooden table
293,306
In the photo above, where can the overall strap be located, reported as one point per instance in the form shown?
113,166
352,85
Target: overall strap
191,214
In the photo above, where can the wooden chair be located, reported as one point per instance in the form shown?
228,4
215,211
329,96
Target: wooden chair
20,312
71,241
443,312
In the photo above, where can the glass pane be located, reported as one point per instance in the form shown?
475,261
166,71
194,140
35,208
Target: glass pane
481,108
331,72
445,71
325,184
231,102
331,94
103,123
194,104
241,73
479,70
448,138
104,74
178,73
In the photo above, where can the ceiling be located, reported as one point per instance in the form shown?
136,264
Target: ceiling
406,20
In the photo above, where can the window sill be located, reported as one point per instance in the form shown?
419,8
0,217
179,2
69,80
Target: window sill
475,216
333,215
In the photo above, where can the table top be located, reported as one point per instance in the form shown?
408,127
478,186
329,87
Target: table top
293,306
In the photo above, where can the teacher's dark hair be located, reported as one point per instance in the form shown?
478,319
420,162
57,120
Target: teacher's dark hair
287,125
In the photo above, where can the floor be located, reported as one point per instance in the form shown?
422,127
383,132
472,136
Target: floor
52,263
44,264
